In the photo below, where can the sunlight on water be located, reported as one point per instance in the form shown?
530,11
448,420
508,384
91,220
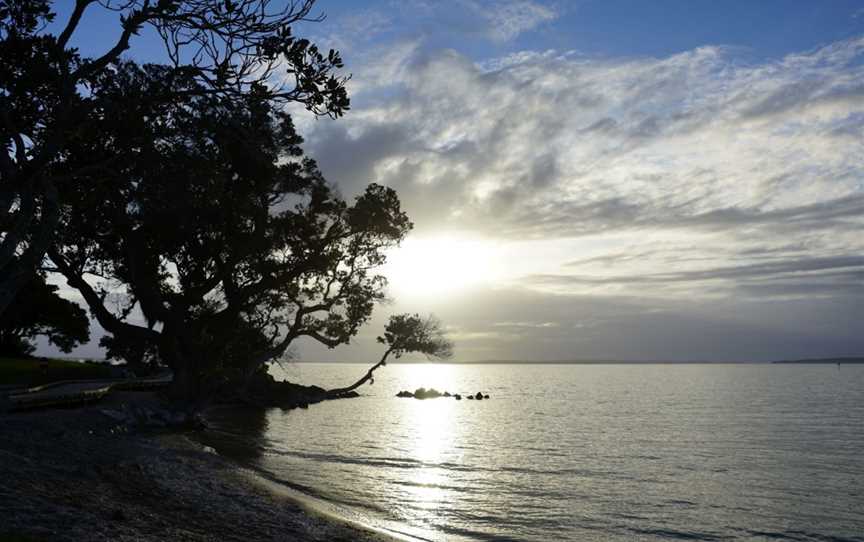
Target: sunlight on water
430,429
582,452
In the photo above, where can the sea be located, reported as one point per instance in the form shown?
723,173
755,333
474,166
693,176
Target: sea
574,452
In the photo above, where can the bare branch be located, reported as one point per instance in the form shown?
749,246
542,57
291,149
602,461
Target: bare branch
74,19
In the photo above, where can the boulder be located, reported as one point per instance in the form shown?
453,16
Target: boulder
479,396
457,396
423,393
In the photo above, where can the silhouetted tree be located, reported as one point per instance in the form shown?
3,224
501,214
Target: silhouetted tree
37,310
225,241
229,48
404,334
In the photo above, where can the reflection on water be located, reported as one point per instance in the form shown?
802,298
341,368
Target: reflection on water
238,432
431,432
579,452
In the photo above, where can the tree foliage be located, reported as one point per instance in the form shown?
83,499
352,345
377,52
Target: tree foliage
49,98
208,223
405,334
37,310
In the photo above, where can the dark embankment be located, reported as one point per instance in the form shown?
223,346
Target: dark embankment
78,474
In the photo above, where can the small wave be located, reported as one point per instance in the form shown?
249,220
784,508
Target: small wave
475,535
680,535
448,487
801,535
399,463
407,463
680,502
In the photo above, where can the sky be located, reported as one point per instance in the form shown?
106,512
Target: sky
669,180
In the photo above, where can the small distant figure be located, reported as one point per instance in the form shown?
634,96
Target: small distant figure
43,367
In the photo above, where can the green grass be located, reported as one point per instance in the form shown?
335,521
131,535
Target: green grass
29,372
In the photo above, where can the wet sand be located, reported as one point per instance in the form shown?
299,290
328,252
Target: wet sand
76,474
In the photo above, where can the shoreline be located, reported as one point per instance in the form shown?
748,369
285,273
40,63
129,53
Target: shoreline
318,507
75,474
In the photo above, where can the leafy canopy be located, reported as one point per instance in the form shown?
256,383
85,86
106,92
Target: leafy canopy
51,95
406,333
206,221
38,310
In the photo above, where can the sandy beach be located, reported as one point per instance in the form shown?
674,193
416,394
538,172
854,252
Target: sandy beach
76,474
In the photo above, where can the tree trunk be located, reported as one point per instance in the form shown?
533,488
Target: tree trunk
366,378
17,273
185,387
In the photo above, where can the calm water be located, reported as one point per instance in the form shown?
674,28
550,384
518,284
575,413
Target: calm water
614,452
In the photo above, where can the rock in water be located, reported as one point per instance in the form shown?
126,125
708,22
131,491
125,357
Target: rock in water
423,393
479,396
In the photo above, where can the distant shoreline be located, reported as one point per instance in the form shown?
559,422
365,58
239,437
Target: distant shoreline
813,361
807,361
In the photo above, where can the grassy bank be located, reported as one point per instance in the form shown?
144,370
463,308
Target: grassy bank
34,372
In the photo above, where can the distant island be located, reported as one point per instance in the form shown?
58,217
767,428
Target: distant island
832,361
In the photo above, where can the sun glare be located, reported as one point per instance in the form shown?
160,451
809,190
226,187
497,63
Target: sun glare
438,266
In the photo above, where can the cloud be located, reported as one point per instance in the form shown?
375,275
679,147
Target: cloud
649,207
349,31
718,159
498,21
833,275
507,20
508,324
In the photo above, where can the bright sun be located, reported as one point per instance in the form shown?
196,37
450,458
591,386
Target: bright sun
436,266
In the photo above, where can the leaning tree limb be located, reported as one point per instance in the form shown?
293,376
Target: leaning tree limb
366,378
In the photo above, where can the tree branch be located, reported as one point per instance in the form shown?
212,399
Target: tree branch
130,26
111,323
367,377
74,19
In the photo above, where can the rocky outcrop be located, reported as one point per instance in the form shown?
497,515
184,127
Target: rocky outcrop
138,417
432,393
264,391
423,393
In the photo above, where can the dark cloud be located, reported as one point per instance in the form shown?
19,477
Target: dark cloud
567,219
837,275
